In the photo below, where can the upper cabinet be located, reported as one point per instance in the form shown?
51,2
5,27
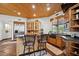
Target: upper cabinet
33,27
71,15
74,18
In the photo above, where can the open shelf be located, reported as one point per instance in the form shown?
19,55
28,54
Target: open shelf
75,26
75,47
74,18
75,13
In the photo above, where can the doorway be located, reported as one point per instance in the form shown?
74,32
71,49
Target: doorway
18,29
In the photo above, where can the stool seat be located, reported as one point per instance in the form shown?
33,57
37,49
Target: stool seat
28,44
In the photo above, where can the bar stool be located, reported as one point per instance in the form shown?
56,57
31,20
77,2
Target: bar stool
42,39
29,41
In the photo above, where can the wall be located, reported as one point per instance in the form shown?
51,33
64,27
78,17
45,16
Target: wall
5,19
1,28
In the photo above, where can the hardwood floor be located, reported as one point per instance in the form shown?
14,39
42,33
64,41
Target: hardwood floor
8,48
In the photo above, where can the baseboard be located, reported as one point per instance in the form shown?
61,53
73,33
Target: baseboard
6,39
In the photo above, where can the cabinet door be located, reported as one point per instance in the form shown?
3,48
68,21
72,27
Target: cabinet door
59,43
52,41
68,48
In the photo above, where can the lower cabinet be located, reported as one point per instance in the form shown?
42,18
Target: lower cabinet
52,41
72,48
58,42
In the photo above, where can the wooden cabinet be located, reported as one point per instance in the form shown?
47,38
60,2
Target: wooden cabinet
33,27
68,48
74,18
58,42
72,48
52,41
75,49
66,16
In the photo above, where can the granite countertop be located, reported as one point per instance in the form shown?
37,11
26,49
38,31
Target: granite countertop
65,37
52,35
69,38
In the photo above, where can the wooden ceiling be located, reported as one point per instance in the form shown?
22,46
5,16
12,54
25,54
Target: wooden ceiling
27,11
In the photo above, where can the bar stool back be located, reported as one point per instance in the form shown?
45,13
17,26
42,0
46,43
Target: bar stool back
29,41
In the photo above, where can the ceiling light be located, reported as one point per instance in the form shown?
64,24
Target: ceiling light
33,6
48,8
34,14
19,13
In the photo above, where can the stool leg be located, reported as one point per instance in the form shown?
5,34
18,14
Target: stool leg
45,48
29,50
34,50
40,49
24,50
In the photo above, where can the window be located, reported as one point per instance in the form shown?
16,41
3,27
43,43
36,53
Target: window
54,29
61,28
64,27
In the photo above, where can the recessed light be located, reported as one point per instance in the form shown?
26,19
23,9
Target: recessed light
19,13
48,8
34,14
33,6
